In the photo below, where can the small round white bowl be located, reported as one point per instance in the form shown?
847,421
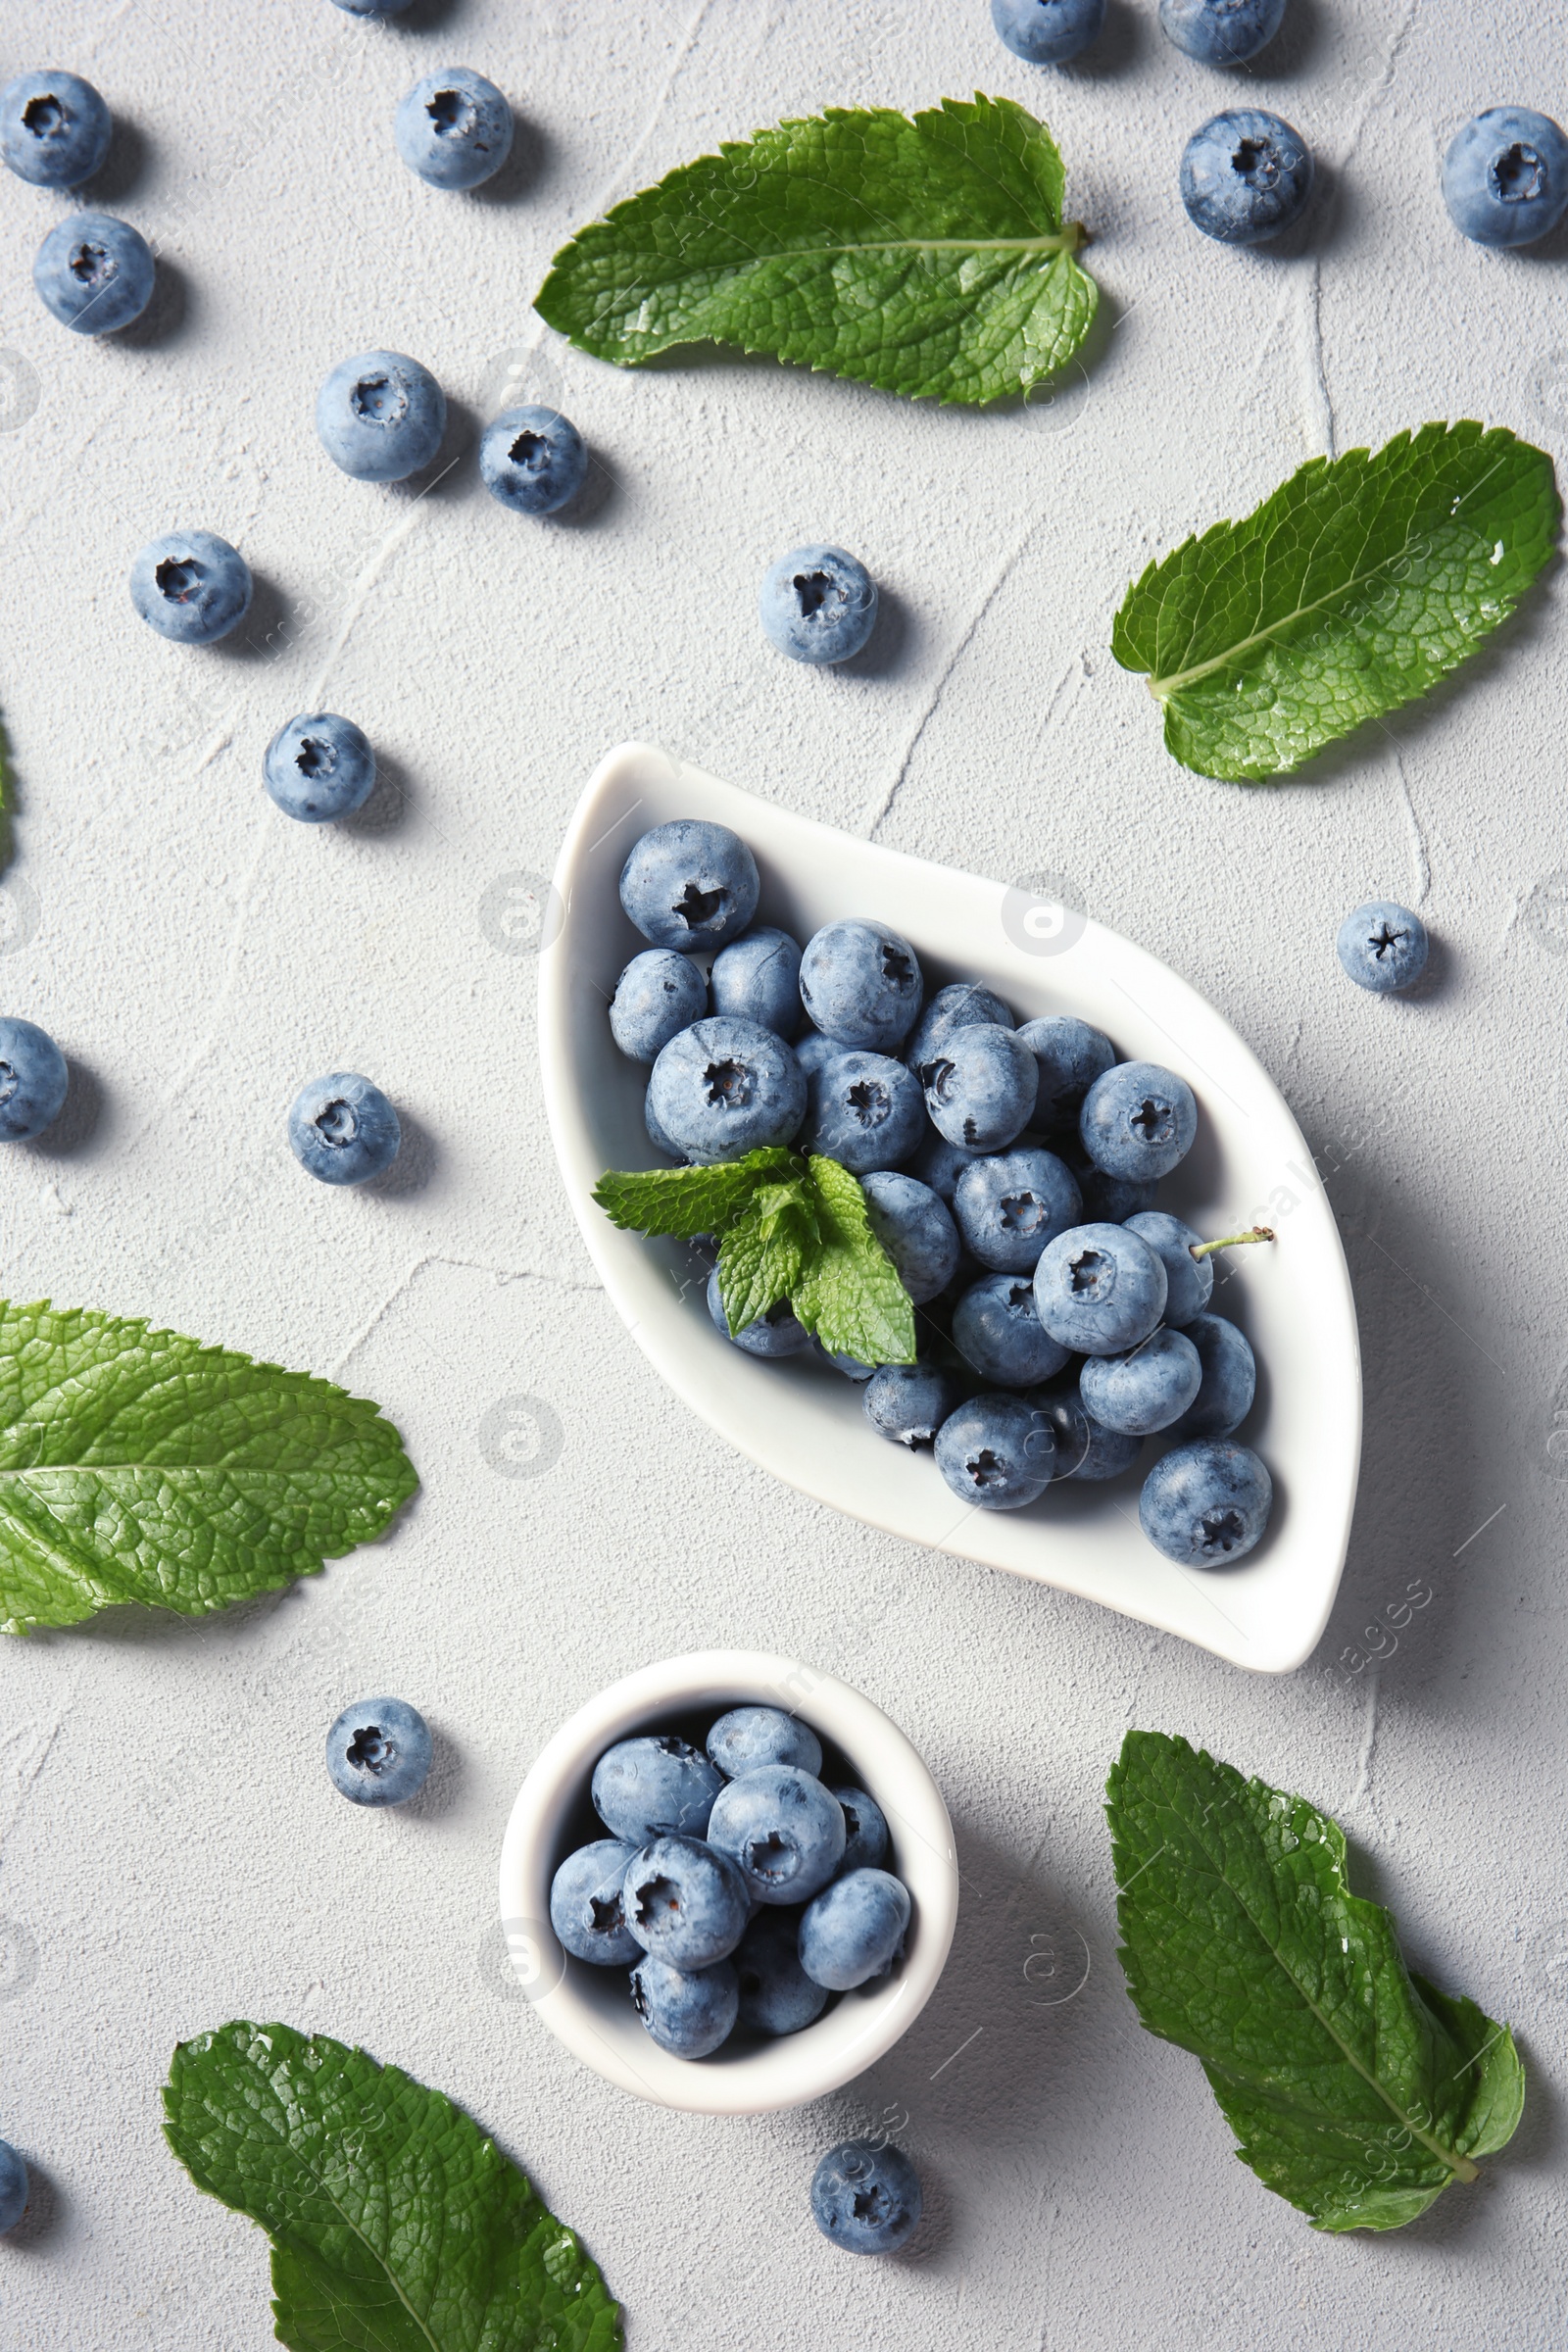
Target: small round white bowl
590,2008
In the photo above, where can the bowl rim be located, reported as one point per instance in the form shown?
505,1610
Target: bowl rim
754,2078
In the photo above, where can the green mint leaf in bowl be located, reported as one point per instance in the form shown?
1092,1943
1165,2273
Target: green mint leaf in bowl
139,1467
927,256
686,1201
1357,2089
1354,587
849,1294
394,2222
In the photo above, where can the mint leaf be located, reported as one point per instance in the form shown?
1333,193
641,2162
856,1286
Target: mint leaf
396,2226
690,1201
137,1465
1357,2089
849,1293
928,257
763,1255
1352,589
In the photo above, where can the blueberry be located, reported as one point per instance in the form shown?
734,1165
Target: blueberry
585,1907
1230,1379
648,1788
850,1365
1138,1121
1084,1448
1048,32
1206,1505
916,1230
757,978
14,2187
378,1752
1506,177
908,1403
1383,946
1069,1057
1146,1390
687,2014
817,605
1188,1280
1100,1289
965,1005
867,2200
685,1901
658,995
371,8
782,1831
940,1163
813,1051
192,586
997,1451
1007,1208
1244,177
1220,32
854,1928
656,1134
1112,1200
380,415
865,1841
54,128
862,984
777,1996
320,767
724,1088
980,1087
34,1079
690,885
342,1129
775,1334
748,1738
532,460
1000,1336
94,273
454,129
865,1111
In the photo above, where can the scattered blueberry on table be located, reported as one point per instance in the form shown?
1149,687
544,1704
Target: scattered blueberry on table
454,129
817,604
1048,32
378,1752
1383,946
34,1079
54,128
1246,176
380,415
95,273
532,460
192,586
1506,177
744,1890
318,767
14,2187
343,1130
867,2200
1221,32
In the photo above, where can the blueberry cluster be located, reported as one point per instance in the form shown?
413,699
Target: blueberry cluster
739,1888
1008,1171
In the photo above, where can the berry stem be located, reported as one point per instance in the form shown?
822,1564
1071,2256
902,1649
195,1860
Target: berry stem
1233,1241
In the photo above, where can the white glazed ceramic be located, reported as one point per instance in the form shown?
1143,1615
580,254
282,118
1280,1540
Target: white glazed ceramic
801,1420
590,2008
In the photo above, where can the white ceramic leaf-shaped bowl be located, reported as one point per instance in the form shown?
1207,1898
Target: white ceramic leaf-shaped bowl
801,1419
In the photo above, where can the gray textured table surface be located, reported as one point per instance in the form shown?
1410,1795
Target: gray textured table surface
173,1855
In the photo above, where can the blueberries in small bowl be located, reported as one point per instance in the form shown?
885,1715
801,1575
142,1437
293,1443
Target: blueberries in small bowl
782,1831
644,1788
192,586
532,460
1246,176
380,415
454,129
854,1930
817,605
33,1081
378,1752
343,1130
1048,32
748,1738
586,1909
1506,177
867,2198
54,128
94,273
320,767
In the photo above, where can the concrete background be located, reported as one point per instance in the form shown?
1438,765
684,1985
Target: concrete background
173,1855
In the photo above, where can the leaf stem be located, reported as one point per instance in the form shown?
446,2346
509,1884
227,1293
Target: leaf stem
1234,1241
